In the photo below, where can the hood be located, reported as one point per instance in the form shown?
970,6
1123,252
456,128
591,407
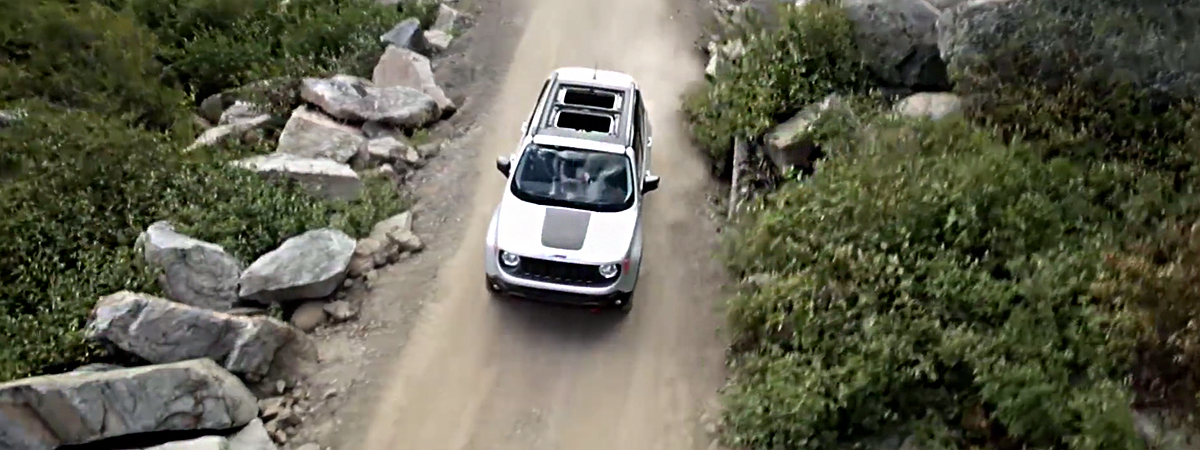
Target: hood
545,231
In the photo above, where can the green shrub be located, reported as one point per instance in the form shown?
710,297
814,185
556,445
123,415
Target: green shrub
1095,80
84,55
1156,279
87,185
306,38
929,274
811,55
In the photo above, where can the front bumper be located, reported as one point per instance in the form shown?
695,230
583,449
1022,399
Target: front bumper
612,298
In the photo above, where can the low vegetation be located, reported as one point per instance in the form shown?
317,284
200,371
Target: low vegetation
108,88
1017,278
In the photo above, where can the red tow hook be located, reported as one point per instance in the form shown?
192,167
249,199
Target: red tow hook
595,310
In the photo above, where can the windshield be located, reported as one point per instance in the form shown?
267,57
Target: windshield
572,178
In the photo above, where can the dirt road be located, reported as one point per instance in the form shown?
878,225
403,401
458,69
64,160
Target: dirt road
478,374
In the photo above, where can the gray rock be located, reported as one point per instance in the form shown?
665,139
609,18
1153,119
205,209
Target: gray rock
322,177
240,111
309,266
200,443
97,367
212,107
1161,430
402,67
1149,44
308,316
194,272
252,437
790,145
899,40
387,150
272,407
723,56
355,99
223,133
438,41
931,105
448,20
341,311
397,230
311,134
45,412
407,34
161,331
369,254
376,130
388,240
943,5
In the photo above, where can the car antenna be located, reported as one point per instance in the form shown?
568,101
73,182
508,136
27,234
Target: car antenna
595,69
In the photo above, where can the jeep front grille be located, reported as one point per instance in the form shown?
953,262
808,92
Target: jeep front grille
560,272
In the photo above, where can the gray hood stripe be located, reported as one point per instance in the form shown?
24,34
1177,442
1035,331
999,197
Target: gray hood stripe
565,229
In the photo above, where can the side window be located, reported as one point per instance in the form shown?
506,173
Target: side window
639,134
538,106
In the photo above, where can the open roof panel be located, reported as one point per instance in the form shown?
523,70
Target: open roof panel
588,112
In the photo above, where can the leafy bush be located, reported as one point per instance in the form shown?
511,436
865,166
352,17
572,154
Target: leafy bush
809,56
933,276
306,38
1104,79
84,55
77,202
1157,279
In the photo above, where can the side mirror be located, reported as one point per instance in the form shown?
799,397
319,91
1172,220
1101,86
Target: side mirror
650,183
649,142
524,127
503,165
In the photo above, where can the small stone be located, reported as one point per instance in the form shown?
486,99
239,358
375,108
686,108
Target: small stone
309,316
271,408
341,311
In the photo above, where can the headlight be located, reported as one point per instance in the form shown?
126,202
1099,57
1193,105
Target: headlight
509,259
608,270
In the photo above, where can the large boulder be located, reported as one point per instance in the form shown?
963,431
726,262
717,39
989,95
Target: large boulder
401,67
160,331
311,134
43,413
322,177
407,34
355,99
899,40
224,133
1149,44
194,272
791,145
311,265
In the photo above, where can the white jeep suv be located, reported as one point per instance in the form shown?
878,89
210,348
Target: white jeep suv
569,227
